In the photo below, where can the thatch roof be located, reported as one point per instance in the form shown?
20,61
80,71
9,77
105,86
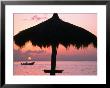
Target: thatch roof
55,31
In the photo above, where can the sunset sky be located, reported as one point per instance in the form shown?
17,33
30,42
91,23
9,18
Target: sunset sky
23,21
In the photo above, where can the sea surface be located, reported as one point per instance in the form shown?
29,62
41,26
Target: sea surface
69,67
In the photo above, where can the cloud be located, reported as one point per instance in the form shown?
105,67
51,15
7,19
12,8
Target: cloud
37,51
35,18
42,55
19,55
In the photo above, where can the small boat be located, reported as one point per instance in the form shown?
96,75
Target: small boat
28,63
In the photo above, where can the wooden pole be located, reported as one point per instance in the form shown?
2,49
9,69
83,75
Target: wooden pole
53,60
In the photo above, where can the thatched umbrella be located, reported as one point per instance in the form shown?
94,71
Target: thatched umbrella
53,32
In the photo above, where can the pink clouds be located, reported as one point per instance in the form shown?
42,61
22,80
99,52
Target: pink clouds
35,18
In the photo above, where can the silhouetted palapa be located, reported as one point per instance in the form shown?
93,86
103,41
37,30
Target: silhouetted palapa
53,32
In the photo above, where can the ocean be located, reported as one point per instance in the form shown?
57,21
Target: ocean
69,67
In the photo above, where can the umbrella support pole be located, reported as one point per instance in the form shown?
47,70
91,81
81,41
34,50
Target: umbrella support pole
53,62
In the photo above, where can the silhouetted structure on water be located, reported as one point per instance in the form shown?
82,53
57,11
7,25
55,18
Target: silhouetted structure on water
53,32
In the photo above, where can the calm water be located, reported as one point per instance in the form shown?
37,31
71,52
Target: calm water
69,67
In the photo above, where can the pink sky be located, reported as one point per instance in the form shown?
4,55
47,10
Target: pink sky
87,21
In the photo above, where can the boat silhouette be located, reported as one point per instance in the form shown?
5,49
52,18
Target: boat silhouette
28,63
